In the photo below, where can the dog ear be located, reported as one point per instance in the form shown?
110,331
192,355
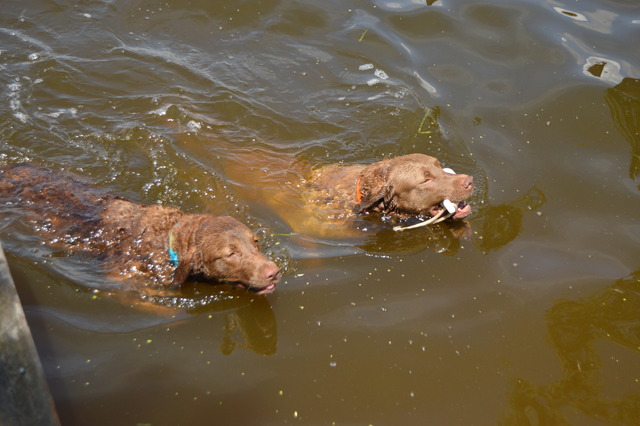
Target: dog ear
186,265
382,195
373,186
181,273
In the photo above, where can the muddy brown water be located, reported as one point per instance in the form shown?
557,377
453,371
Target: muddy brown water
535,317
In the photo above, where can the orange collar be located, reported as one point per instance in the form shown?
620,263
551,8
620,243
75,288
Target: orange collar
358,192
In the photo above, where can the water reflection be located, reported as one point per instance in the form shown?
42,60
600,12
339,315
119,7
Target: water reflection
249,321
251,326
501,224
624,102
441,238
491,226
576,329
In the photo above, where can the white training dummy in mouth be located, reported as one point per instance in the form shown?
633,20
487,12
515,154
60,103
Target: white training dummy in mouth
449,207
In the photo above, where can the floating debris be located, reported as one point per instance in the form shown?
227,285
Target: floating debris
363,34
381,74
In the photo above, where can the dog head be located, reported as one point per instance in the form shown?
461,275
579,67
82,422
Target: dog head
223,249
412,184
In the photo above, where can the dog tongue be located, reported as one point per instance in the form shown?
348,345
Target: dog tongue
267,289
458,211
463,211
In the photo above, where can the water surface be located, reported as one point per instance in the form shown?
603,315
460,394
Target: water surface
534,317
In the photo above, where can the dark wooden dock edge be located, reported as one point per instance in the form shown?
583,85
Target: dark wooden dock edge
24,394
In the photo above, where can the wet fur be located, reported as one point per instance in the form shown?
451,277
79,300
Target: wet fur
413,184
323,201
132,239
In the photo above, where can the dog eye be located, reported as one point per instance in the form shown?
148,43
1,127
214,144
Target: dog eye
427,178
232,254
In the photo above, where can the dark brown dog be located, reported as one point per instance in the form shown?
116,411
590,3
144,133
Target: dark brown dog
160,243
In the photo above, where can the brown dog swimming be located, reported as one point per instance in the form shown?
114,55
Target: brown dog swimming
414,184
327,201
153,242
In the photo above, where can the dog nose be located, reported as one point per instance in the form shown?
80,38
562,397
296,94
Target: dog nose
468,182
270,271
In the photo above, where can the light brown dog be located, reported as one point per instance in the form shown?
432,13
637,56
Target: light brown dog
157,243
414,184
327,201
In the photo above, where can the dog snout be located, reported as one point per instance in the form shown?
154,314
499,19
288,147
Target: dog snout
270,272
467,182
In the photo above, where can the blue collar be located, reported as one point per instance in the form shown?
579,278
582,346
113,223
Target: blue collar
173,256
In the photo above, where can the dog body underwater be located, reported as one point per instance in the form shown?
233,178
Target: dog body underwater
330,201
